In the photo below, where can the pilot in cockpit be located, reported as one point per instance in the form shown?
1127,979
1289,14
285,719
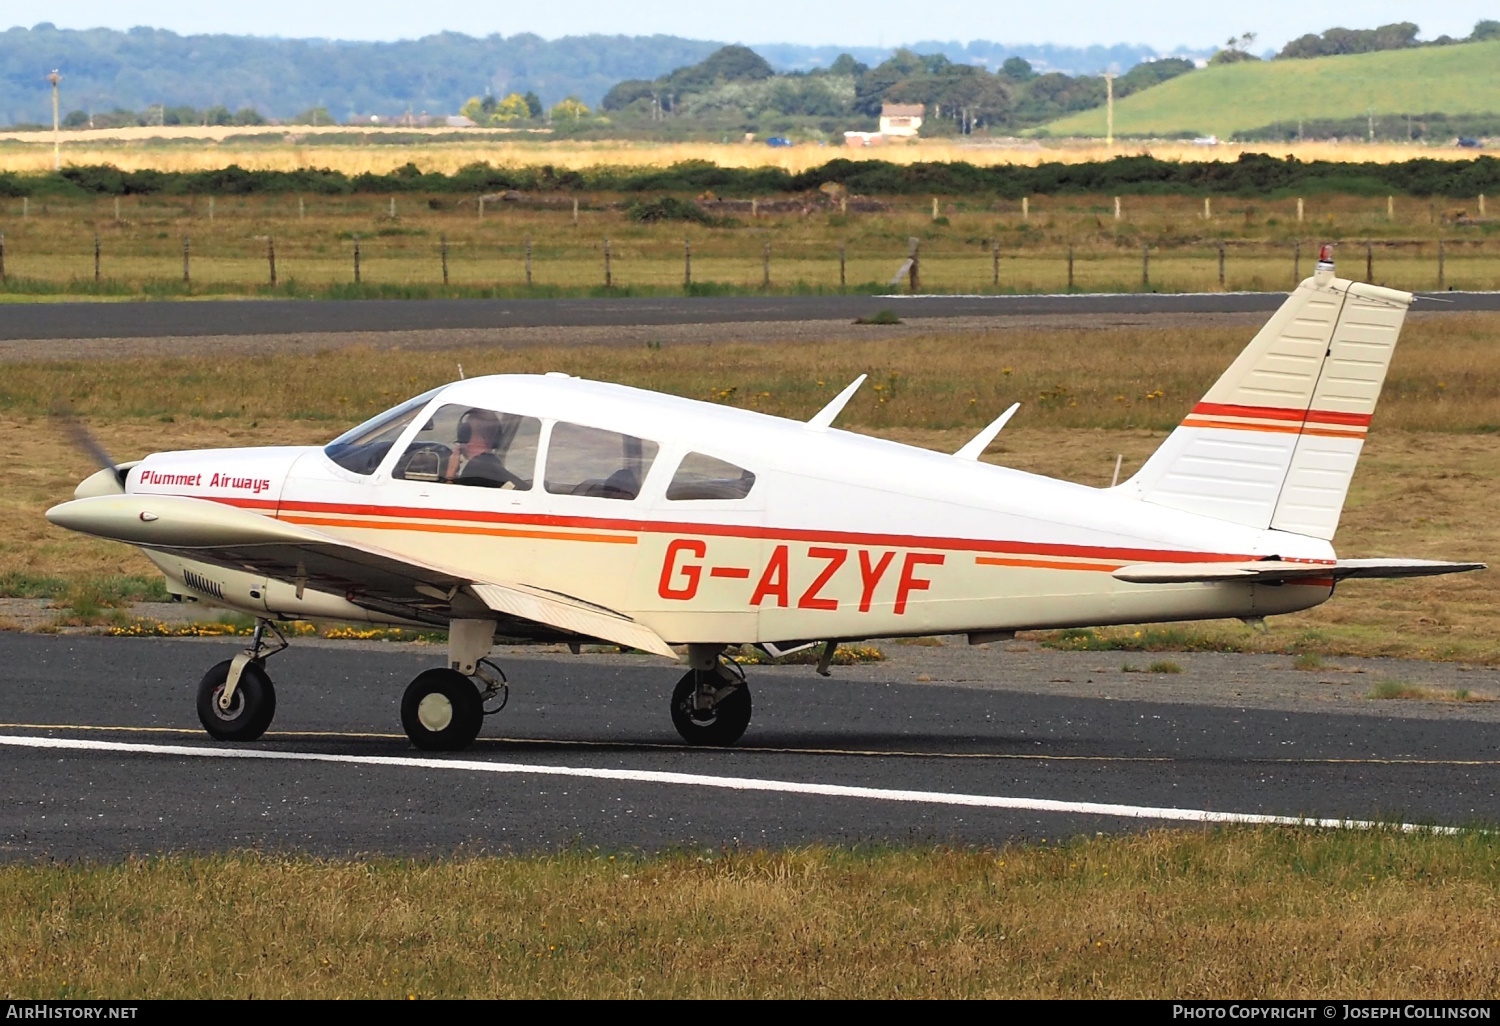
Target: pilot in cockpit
473,460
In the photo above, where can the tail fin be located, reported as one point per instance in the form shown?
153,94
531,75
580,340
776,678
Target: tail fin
1274,442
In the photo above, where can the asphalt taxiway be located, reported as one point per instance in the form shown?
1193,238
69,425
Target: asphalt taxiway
102,755
281,317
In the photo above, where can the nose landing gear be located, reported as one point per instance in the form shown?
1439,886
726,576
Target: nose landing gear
236,700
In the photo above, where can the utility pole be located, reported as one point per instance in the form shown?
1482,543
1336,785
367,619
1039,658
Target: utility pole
55,78
1109,110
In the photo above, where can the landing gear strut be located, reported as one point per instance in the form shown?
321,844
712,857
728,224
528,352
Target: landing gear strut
712,706
236,701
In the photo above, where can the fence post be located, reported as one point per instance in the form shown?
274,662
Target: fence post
1145,266
1221,267
1369,264
301,209
443,248
96,257
356,260
528,261
934,208
1442,282
995,259
117,208
1117,208
1390,207
914,272
754,207
1070,268
841,263
575,211
271,256
186,249
765,267
1296,261
1299,209
481,208
393,208
687,263
1208,210
609,280
1026,208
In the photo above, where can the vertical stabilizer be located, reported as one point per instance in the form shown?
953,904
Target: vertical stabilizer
1274,442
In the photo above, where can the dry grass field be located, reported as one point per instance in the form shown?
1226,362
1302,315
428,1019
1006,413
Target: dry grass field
1185,914
354,150
1432,460
974,245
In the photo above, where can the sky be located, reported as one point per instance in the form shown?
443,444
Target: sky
1161,24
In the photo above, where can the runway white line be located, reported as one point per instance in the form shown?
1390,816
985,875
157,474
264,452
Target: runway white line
983,801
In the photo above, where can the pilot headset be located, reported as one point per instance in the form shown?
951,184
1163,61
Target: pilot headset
465,430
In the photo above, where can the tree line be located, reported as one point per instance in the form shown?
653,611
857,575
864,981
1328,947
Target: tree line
1253,174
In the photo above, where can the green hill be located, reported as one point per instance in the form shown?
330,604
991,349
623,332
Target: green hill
1229,98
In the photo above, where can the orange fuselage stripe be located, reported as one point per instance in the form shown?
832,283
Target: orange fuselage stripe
410,525
1045,564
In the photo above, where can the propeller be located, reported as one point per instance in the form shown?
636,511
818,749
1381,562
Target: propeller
89,444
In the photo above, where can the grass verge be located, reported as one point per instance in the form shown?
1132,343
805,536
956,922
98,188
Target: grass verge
1252,913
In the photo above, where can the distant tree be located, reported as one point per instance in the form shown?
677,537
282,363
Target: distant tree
474,109
179,116
626,93
1395,36
534,105
1483,30
314,116
844,64
1150,73
218,115
726,64
571,109
1017,69
76,119
248,116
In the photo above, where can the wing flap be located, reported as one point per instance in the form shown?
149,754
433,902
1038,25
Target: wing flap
1266,570
571,615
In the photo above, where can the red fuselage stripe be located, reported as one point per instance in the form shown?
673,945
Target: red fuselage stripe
906,541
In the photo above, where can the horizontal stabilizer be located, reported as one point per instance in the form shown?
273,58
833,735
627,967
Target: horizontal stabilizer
1269,570
571,615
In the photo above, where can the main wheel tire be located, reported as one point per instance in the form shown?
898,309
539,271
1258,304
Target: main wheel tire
251,707
720,726
441,711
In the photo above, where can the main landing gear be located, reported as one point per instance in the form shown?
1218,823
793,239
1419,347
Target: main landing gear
236,701
442,709
711,703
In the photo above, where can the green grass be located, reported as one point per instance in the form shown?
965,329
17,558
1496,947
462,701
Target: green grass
1230,98
1191,914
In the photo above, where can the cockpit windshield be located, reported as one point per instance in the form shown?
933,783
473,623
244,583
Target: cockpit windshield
361,449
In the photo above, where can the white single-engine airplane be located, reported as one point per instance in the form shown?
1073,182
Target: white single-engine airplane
558,509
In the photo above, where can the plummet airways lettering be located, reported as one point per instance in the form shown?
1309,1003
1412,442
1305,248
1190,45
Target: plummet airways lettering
255,485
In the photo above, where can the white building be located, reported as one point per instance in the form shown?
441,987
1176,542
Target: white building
900,119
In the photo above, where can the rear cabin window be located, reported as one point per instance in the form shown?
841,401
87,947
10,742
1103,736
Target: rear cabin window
361,449
603,464
470,445
704,477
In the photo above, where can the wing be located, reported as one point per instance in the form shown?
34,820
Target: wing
1276,570
367,576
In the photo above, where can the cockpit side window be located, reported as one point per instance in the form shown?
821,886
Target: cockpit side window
705,477
361,449
470,445
603,464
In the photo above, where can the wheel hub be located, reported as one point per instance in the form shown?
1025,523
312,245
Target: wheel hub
435,712
236,704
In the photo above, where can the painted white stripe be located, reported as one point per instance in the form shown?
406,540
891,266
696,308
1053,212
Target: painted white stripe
727,783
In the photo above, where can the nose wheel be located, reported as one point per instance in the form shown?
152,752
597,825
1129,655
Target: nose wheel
712,707
236,701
